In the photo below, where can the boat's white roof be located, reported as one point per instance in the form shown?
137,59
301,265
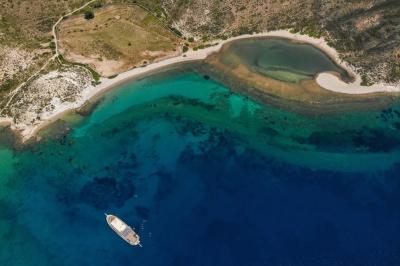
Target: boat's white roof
118,224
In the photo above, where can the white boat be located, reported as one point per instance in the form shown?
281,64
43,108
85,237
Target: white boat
123,230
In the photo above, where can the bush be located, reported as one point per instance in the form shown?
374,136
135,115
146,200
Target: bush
185,49
191,39
365,81
394,74
89,14
176,31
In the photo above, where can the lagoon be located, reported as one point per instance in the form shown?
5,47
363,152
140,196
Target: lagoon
281,59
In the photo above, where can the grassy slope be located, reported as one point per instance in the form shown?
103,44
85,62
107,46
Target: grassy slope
117,32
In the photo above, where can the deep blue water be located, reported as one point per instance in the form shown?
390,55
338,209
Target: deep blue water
207,177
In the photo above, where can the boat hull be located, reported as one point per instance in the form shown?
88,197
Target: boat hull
123,230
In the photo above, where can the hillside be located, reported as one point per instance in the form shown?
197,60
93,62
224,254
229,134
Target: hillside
366,32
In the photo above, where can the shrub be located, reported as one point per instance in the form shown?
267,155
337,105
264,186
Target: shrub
191,39
176,31
394,74
185,49
89,14
97,5
113,76
365,81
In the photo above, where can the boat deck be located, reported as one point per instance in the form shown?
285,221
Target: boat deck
123,230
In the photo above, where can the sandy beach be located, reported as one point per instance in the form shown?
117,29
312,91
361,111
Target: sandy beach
326,80
334,83
5,121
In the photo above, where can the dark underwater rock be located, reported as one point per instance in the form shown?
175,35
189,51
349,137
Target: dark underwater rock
376,140
370,140
105,192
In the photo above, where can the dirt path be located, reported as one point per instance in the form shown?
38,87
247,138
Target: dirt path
54,32
54,28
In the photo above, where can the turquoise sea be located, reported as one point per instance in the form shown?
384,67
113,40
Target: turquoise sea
207,176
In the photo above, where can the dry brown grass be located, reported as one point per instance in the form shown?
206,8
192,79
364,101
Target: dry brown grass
118,38
29,22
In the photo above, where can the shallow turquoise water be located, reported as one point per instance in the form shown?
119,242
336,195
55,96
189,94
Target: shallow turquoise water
281,59
207,177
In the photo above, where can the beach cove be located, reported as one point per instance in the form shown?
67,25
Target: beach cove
326,80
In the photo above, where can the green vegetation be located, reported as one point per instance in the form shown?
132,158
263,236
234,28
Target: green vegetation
154,6
88,14
62,60
365,81
394,74
8,84
52,45
97,5
309,27
96,76
202,46
113,76
176,31
244,30
185,48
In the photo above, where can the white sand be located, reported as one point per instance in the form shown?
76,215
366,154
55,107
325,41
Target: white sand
325,80
334,83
